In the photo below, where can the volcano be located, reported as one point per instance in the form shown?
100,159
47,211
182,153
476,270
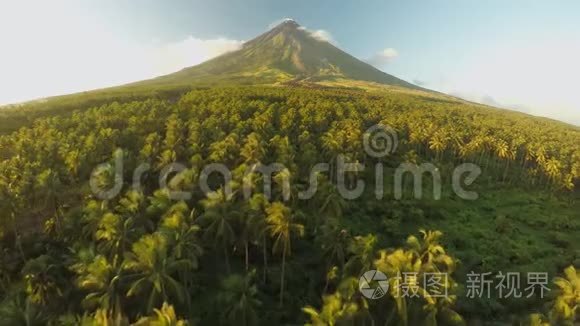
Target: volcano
288,53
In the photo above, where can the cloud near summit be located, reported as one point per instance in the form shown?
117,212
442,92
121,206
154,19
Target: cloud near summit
384,57
319,34
191,51
322,35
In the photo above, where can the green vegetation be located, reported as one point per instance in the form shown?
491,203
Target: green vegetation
70,257
140,257
285,55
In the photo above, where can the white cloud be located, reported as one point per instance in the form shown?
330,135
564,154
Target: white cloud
189,52
49,57
323,35
538,78
280,21
320,34
384,57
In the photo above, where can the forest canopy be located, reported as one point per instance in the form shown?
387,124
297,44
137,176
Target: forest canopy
70,257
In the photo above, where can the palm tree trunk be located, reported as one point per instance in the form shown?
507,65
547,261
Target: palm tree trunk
326,283
486,162
265,251
17,239
247,253
391,316
57,214
282,276
505,171
226,258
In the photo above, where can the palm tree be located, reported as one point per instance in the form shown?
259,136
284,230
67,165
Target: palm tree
330,203
281,226
258,226
438,143
112,235
552,168
345,306
537,320
159,203
566,305
430,251
253,150
73,161
218,217
362,251
165,316
334,311
423,256
238,296
20,310
331,148
505,152
10,201
49,183
151,268
132,209
102,281
249,223
43,279
182,235
101,317
335,241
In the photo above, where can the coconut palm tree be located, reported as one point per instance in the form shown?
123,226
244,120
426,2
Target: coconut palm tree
182,235
165,316
181,232
253,150
238,298
566,305
438,143
50,186
362,251
43,278
423,256
258,226
251,223
112,235
334,242
151,269
218,217
346,306
132,209
553,169
282,227
20,310
101,280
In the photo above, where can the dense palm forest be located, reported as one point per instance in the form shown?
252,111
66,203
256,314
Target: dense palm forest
71,257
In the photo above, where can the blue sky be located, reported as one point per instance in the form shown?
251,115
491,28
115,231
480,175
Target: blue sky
517,54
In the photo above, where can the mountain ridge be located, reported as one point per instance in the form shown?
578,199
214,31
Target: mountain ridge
286,53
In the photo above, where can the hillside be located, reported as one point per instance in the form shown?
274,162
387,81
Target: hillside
109,216
59,235
285,53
